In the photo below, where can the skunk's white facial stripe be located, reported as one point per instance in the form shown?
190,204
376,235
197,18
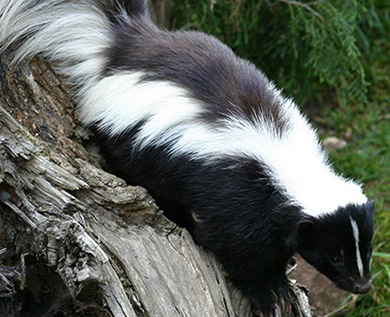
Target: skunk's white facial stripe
359,262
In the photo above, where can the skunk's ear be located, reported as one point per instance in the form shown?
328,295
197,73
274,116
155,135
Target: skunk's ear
306,231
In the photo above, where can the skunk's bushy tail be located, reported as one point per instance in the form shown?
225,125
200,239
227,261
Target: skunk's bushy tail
72,34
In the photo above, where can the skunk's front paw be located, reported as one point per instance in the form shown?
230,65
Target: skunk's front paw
283,299
263,309
265,302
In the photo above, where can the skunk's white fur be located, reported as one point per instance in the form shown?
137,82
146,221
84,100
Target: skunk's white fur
121,101
74,35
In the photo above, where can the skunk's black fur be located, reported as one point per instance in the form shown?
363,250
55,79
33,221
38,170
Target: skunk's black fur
217,145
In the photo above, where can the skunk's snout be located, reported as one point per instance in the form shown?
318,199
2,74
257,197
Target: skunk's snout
362,287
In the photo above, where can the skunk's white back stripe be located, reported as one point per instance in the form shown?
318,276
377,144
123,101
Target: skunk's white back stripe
120,101
359,262
297,165
294,160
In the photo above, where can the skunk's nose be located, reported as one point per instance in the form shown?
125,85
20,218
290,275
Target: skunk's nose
362,287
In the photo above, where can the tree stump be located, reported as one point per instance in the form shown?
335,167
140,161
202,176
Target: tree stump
76,240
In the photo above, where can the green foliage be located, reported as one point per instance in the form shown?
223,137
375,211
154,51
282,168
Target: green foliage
307,47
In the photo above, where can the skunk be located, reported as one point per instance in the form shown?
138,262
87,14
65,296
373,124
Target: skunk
222,151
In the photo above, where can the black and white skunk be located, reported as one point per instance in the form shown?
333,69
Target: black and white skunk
211,138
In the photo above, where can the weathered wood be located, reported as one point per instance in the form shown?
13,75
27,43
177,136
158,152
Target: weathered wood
77,239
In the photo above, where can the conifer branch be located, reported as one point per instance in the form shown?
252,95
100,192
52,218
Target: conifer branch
305,6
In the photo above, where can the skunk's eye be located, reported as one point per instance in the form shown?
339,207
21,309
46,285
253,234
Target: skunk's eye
336,259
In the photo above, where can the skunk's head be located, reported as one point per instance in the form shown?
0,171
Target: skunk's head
339,245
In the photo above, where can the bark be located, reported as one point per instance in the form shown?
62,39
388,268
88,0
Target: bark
75,239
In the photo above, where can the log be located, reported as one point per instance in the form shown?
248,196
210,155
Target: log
75,239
